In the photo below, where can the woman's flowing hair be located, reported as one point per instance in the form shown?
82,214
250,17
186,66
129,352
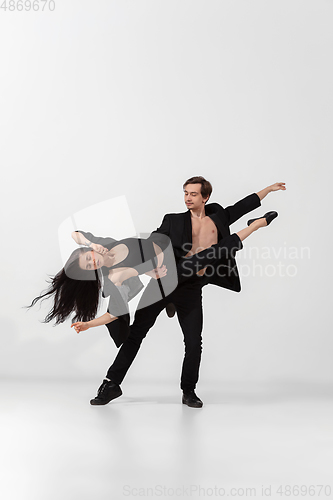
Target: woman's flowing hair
73,290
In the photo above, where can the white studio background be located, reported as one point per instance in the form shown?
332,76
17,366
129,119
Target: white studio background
130,98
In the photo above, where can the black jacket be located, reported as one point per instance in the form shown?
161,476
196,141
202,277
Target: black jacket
179,229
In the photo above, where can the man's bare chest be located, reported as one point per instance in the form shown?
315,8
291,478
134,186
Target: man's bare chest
204,234
203,228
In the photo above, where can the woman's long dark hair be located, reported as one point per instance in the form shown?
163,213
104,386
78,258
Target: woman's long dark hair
75,290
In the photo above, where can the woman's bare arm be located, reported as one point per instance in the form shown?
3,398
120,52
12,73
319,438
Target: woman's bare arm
81,326
159,255
160,270
80,239
102,320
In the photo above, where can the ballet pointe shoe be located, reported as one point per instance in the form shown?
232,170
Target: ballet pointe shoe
269,216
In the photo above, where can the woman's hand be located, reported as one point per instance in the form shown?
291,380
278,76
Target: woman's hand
99,248
80,326
158,272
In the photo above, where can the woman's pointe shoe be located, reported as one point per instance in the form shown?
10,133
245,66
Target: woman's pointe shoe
269,216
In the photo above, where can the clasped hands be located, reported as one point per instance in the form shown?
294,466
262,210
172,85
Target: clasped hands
99,248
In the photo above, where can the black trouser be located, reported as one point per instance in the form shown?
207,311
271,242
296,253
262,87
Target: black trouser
187,298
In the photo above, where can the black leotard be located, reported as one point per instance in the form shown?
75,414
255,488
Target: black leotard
141,254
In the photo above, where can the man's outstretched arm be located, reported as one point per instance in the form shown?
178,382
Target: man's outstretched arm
269,189
249,203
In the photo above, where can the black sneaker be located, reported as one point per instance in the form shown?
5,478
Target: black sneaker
106,392
191,399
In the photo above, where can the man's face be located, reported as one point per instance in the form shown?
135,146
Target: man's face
193,198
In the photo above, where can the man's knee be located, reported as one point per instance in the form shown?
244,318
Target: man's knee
193,343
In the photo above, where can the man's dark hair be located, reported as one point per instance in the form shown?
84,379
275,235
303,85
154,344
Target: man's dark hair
206,187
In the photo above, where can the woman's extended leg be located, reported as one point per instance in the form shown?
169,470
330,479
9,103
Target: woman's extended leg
244,233
226,248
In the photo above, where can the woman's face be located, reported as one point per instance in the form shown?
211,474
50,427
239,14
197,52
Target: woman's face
91,260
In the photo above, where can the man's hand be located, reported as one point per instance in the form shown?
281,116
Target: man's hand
80,326
273,187
158,272
277,186
99,248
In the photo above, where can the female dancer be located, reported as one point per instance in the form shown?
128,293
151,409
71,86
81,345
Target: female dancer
76,288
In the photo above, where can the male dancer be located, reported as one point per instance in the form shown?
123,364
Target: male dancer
200,227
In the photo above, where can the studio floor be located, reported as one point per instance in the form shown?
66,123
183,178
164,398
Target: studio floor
249,440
